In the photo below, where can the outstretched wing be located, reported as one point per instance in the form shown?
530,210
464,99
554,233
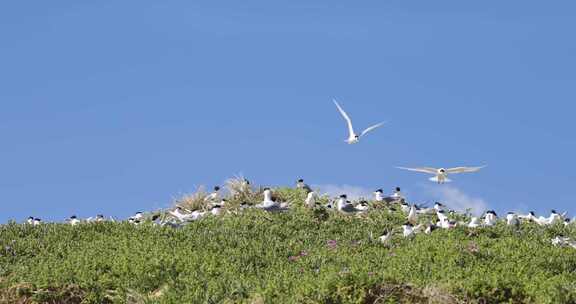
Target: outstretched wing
421,170
463,170
346,117
371,128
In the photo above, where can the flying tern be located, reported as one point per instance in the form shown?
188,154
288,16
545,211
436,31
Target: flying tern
441,174
352,136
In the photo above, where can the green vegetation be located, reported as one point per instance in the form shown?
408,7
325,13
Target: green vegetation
301,256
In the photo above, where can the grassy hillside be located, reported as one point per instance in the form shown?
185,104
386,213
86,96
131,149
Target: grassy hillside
300,256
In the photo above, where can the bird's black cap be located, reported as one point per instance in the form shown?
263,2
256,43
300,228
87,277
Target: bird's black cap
398,189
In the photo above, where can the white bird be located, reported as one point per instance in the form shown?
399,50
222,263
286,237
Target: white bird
213,196
474,222
512,219
36,222
73,220
301,185
430,228
531,216
555,218
134,221
216,210
138,216
310,201
385,238
545,221
563,242
269,204
412,215
182,217
490,218
352,136
405,207
397,194
98,218
441,175
378,195
362,206
407,230
445,223
344,206
30,220
441,214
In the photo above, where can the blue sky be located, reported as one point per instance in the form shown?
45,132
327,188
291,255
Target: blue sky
121,106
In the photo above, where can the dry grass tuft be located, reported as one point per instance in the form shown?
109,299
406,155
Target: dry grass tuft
194,201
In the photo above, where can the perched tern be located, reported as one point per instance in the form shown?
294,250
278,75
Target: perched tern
363,206
441,175
301,185
379,195
214,195
182,217
30,220
512,219
344,206
412,215
490,218
474,222
385,238
216,210
310,201
405,207
352,136
36,222
430,228
397,194
73,220
269,204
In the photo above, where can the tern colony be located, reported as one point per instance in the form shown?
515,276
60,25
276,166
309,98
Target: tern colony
441,218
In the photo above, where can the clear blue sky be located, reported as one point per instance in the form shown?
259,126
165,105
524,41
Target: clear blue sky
118,106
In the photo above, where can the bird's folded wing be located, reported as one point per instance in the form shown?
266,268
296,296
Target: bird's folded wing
463,169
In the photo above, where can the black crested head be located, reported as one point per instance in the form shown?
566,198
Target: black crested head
300,180
73,217
216,188
398,189
343,196
155,217
532,213
553,211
